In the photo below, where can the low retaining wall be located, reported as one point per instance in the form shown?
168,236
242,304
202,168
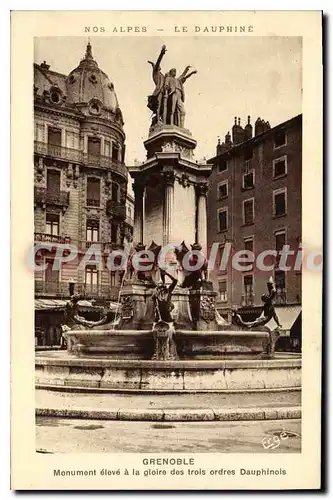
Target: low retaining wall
62,370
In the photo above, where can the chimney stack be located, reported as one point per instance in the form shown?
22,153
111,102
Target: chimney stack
248,129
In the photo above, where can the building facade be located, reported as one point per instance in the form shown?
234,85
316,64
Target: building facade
254,203
80,178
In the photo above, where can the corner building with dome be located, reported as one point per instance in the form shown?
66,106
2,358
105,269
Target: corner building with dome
80,181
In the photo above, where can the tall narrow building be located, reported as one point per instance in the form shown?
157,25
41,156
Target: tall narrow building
80,177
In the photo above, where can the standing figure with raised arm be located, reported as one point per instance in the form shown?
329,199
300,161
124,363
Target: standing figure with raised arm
155,100
174,89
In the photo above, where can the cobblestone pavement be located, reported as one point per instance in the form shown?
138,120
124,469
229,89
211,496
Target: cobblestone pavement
55,435
68,400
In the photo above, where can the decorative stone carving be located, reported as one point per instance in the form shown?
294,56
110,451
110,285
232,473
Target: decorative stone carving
202,189
40,171
168,147
184,180
108,182
169,177
127,307
76,175
69,174
207,308
185,152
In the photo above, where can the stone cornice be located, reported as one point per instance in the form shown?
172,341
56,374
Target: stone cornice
171,158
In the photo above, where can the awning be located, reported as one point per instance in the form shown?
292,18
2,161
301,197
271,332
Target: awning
58,304
287,316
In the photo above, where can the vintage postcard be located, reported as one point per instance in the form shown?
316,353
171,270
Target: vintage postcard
166,250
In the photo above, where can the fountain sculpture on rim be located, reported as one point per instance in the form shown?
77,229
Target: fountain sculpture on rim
167,311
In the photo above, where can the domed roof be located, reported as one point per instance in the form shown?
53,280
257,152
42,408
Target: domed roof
87,82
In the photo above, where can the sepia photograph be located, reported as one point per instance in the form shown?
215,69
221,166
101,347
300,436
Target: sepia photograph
171,254
168,274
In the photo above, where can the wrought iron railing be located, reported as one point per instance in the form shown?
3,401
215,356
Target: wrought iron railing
83,245
52,238
60,289
116,209
77,156
45,197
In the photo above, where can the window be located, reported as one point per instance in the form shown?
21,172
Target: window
51,276
222,190
115,152
223,219
52,224
92,230
55,96
280,167
114,232
248,244
280,202
113,279
94,146
248,290
223,293
280,139
249,247
280,240
115,191
54,136
222,166
91,277
248,180
53,183
248,211
107,148
93,192
280,283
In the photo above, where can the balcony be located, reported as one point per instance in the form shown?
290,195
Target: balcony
60,289
97,291
44,198
116,209
77,156
58,152
52,238
51,288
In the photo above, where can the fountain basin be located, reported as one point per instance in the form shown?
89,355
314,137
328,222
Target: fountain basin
65,371
139,344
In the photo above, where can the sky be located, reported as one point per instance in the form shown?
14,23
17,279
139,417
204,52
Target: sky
237,76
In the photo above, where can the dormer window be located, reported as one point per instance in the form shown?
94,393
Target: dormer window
95,107
55,95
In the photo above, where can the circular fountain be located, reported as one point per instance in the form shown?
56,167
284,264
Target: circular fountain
168,336
195,352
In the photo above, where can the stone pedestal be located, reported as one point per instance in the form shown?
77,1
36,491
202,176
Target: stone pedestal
170,190
202,303
137,307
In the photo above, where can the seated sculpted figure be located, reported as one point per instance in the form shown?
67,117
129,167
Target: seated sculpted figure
73,319
268,311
